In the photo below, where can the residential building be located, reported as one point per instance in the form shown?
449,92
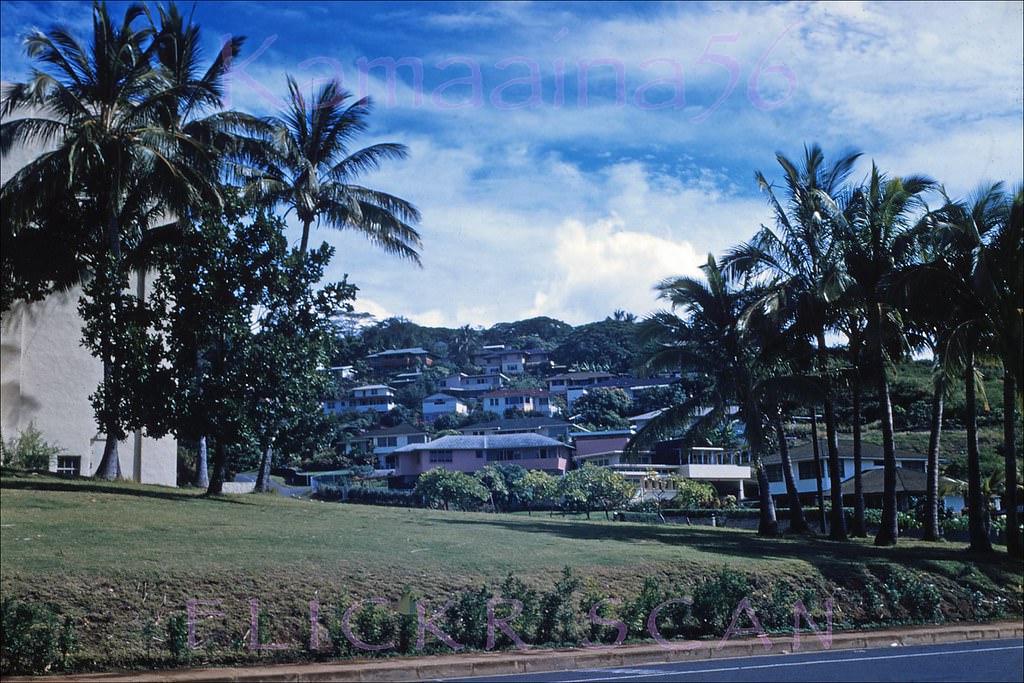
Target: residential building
376,397
545,426
526,400
440,404
910,484
726,469
474,385
399,359
471,453
496,358
565,382
384,442
802,457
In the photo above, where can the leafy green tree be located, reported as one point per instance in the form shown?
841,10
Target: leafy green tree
691,493
116,161
312,170
441,487
594,488
537,485
610,341
604,408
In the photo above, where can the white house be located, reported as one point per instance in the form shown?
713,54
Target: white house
440,404
378,397
526,400
385,441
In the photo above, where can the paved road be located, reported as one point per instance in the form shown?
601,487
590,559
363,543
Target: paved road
290,491
991,660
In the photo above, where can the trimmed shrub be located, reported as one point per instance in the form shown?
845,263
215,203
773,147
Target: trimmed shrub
33,639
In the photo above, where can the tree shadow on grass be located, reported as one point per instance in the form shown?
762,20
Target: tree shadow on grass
83,485
821,553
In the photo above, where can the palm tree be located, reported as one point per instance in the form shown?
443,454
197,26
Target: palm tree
873,228
113,151
962,232
715,339
803,262
311,170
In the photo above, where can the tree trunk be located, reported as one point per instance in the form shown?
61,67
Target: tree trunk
304,244
768,524
817,470
859,529
797,522
263,477
220,467
931,513
976,504
110,466
1013,541
837,517
202,478
888,532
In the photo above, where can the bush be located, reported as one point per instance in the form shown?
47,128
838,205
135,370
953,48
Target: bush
558,618
32,638
177,637
29,450
904,592
715,598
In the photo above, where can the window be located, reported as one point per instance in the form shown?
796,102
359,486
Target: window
878,463
440,456
912,465
493,401
542,454
774,472
387,441
806,469
69,465
419,438
479,454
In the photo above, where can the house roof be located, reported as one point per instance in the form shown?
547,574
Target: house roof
602,434
633,383
482,443
873,481
441,394
581,375
371,386
516,423
870,451
516,392
397,430
412,351
646,416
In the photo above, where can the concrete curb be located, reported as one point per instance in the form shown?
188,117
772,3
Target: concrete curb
483,664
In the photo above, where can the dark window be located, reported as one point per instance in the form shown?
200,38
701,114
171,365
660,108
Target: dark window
70,465
806,469
913,465
774,472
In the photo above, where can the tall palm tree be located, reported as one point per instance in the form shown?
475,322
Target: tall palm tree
873,230
311,169
716,340
962,232
113,151
802,259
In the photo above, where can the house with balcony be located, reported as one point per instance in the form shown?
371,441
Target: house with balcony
474,385
802,458
726,469
384,442
471,453
525,400
573,384
436,405
369,397
497,358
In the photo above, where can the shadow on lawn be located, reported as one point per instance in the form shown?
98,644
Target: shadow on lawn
817,551
81,485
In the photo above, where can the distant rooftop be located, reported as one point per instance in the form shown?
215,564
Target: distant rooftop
413,351
517,423
480,443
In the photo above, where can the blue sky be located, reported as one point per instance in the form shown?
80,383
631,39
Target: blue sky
568,156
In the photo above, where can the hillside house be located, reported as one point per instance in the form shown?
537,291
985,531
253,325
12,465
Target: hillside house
436,405
471,453
399,359
526,400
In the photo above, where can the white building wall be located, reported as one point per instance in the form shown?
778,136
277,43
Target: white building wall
47,377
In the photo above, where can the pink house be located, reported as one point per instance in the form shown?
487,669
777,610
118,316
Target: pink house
471,453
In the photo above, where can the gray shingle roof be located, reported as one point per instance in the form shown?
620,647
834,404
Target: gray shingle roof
480,443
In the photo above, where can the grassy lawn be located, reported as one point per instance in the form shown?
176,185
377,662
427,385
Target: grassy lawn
122,556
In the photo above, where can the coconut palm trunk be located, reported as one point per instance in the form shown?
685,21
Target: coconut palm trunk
797,521
815,446
859,527
931,517
1013,540
976,503
837,518
263,478
110,466
888,532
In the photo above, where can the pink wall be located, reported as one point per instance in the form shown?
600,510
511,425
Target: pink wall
418,462
600,445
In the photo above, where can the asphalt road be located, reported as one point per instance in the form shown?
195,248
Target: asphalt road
990,660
